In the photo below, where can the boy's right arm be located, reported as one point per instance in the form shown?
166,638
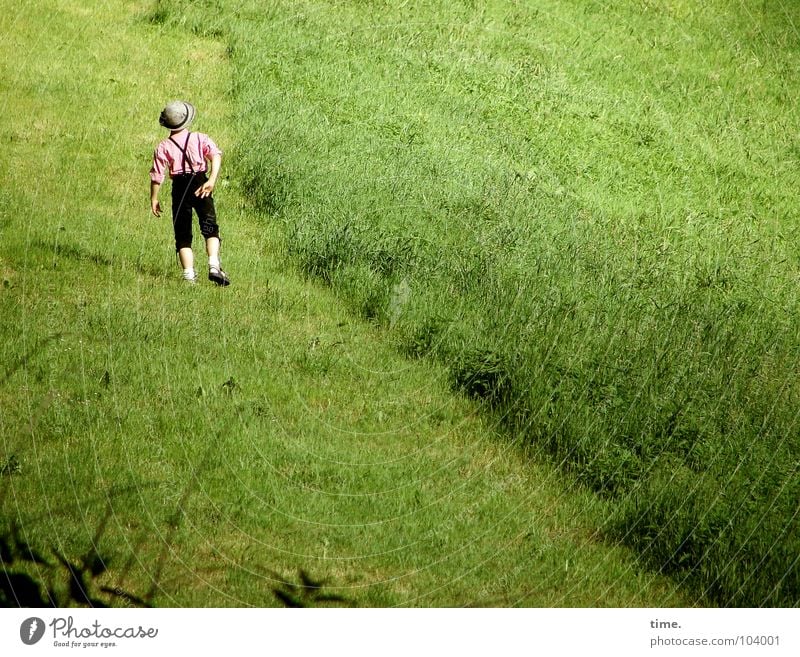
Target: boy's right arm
155,206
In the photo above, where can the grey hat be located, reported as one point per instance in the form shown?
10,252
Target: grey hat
177,115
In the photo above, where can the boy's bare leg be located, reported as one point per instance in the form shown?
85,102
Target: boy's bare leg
215,272
186,258
212,249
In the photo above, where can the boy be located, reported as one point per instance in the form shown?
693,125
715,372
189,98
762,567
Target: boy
185,155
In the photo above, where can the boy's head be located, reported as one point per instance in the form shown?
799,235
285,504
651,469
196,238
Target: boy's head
177,115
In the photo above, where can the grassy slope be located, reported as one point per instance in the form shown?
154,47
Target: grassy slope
231,438
585,209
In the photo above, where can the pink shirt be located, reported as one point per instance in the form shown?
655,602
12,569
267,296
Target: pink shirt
169,156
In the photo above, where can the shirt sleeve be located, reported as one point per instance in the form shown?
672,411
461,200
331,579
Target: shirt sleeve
157,171
210,149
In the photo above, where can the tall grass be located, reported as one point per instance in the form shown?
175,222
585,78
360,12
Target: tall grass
585,209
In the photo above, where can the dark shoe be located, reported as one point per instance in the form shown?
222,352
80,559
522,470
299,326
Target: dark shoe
216,275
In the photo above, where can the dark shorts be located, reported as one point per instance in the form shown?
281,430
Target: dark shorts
183,201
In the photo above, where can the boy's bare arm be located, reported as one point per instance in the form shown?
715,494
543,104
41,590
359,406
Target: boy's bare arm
155,206
207,187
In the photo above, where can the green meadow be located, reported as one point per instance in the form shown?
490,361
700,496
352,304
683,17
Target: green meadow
513,319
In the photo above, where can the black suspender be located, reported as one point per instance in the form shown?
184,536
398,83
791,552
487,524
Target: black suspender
185,159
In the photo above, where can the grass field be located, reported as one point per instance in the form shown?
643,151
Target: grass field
584,211
258,445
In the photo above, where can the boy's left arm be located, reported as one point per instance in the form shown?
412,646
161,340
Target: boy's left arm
207,187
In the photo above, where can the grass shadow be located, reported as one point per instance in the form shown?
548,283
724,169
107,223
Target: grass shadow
84,256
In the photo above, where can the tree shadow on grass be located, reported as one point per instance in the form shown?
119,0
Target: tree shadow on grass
31,579
306,591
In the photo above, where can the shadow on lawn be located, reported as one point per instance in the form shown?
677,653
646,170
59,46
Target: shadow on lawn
305,592
81,255
30,579
34,578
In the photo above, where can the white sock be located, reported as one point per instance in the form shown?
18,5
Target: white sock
213,261
188,274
